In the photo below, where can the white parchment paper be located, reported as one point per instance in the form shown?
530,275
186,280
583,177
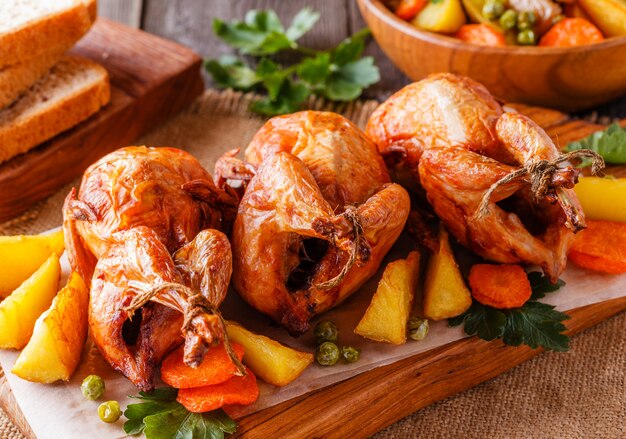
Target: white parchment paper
60,411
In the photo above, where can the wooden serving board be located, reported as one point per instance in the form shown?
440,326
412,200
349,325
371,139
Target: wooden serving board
406,385
151,80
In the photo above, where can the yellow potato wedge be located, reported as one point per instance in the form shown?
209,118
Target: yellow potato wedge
21,256
54,350
19,311
445,292
608,15
387,315
603,198
271,361
445,16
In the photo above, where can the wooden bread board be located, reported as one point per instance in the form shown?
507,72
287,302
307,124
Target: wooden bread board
379,397
151,80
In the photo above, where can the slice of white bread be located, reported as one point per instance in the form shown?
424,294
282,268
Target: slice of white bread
32,28
73,90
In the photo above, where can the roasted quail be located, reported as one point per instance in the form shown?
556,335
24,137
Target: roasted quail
316,219
135,234
495,179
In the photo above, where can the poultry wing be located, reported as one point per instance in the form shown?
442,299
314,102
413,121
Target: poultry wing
496,180
315,220
134,232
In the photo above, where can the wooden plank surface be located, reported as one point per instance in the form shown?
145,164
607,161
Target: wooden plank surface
151,80
382,396
124,11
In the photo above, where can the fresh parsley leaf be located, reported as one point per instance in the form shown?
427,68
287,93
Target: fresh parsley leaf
302,23
534,324
484,321
315,70
260,34
230,72
541,285
289,99
264,21
610,144
160,416
348,81
351,48
338,74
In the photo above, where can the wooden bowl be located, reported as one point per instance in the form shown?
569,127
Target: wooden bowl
568,79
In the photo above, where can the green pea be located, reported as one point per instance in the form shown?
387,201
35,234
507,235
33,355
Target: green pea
492,9
327,354
526,37
418,328
109,411
92,387
350,354
526,20
508,20
325,331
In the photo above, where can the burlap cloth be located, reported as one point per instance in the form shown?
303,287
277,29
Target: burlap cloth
580,394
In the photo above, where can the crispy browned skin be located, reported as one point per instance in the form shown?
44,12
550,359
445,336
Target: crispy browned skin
135,233
164,189
295,230
449,134
344,162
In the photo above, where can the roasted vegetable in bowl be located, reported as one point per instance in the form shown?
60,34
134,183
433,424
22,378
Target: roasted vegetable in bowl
518,22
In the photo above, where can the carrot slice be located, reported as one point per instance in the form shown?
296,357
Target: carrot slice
216,367
408,9
499,286
481,34
601,247
571,32
237,390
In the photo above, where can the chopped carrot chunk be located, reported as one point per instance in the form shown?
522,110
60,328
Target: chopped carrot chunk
481,34
237,390
601,247
571,32
500,286
216,367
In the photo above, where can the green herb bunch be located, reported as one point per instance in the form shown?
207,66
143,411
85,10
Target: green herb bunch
338,74
534,324
160,416
609,143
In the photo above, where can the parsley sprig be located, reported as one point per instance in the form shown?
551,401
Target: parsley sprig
338,74
609,143
534,324
160,416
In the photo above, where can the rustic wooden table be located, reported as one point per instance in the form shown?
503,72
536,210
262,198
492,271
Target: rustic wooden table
189,22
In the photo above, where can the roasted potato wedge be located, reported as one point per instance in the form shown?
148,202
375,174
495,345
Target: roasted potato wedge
54,350
445,16
21,256
271,361
608,15
388,313
603,198
445,292
19,311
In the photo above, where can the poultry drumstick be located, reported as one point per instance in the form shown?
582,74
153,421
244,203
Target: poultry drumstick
316,219
495,179
133,232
